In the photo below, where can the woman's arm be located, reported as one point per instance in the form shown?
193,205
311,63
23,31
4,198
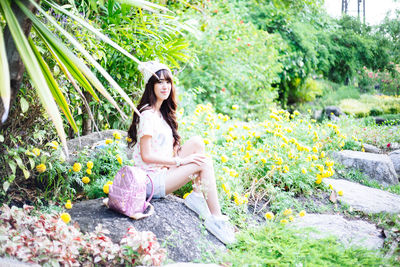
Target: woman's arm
148,157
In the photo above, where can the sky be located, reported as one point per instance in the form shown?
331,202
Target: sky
375,10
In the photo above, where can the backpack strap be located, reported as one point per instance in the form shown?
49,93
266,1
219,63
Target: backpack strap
152,190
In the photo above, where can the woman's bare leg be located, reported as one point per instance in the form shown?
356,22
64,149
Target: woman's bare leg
192,146
178,177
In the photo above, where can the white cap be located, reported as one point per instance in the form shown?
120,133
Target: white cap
150,68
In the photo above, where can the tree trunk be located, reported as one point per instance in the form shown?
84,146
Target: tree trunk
86,121
15,63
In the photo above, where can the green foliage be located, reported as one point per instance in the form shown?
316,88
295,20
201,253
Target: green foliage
137,31
370,105
370,133
236,63
280,245
309,90
353,46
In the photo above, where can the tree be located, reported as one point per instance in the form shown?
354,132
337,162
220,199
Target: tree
18,51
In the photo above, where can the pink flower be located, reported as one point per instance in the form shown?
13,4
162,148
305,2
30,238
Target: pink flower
223,89
370,74
388,145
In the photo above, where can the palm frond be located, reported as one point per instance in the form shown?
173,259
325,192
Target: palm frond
5,90
33,68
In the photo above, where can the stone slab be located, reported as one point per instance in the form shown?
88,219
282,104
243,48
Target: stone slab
178,228
349,232
377,167
364,198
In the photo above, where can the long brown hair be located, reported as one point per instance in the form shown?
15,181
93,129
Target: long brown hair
168,108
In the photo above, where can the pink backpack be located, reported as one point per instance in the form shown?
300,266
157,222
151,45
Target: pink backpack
127,194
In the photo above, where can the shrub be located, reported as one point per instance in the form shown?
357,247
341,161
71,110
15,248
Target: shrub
46,239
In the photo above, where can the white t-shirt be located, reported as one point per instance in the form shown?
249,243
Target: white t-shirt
162,141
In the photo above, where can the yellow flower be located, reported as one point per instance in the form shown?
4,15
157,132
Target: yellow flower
109,141
36,151
269,215
76,167
302,213
340,193
54,144
318,181
291,218
117,135
235,107
206,141
304,170
285,168
287,212
85,180
109,182
314,157
89,164
89,171
68,205
224,159
41,168
263,160
284,221
65,217
106,188
119,159
185,195
322,154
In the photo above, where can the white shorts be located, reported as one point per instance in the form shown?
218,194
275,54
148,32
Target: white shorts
158,178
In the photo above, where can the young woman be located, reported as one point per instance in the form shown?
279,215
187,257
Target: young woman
157,150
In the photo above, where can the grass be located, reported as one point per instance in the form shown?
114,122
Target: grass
277,245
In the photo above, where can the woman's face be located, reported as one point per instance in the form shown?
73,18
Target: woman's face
162,88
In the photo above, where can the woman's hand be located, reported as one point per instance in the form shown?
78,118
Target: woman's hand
194,158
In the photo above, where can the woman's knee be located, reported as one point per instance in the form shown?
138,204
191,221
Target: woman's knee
198,143
207,164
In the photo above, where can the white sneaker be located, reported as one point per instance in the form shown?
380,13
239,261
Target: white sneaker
221,228
196,202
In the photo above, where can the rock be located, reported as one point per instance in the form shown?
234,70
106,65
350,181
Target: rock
336,111
377,167
349,232
379,120
175,226
10,262
91,140
371,149
190,264
317,115
364,198
395,158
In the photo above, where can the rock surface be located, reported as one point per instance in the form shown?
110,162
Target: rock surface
377,167
77,144
371,149
395,158
175,226
11,262
364,198
349,232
